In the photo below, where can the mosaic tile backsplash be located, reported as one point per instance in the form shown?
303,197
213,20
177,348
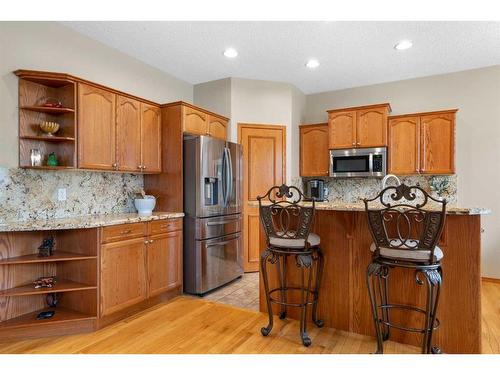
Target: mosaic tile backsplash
29,194
351,190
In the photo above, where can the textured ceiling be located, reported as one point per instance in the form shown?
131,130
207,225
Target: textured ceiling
350,53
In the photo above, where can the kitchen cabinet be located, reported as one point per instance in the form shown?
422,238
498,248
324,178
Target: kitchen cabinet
128,134
123,275
217,127
164,262
199,121
96,128
355,127
314,153
422,143
150,139
139,261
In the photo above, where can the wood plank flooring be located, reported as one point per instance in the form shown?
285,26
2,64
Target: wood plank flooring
191,325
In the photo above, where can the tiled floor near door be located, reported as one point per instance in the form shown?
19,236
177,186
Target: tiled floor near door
243,292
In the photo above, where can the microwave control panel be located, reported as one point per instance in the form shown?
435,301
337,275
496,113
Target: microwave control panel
378,163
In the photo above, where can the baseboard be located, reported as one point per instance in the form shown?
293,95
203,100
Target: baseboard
491,280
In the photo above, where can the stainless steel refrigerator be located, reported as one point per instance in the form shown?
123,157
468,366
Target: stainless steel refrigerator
213,208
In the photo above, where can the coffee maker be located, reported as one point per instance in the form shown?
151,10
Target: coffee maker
316,189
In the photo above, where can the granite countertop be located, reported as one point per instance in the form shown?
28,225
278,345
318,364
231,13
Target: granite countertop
88,221
343,206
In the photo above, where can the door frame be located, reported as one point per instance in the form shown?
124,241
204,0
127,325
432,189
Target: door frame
242,125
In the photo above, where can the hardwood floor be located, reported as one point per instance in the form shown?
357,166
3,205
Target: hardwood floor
191,325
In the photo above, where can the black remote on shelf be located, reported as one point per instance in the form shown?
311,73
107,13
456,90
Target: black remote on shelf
45,314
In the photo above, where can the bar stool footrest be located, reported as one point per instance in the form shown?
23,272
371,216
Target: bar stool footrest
406,307
312,294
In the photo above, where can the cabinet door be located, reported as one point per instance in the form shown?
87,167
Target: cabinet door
128,134
437,139
404,145
195,122
314,155
371,128
151,138
123,275
217,127
342,129
164,262
96,128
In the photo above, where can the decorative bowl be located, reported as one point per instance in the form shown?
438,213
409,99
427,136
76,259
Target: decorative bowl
145,206
49,127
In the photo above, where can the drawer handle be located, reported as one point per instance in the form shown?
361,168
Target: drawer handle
126,231
221,222
165,226
218,243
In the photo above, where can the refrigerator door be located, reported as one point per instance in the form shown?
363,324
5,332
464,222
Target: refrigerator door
219,262
216,226
236,167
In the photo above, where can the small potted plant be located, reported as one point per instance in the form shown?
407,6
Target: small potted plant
144,204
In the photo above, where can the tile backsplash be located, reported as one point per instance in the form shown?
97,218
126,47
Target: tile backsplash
351,190
30,194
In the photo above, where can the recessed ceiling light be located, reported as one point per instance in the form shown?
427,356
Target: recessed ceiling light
231,53
313,63
404,44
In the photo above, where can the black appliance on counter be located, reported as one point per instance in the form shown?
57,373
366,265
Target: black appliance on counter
316,189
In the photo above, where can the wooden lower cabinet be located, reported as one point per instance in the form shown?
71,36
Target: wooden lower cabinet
164,262
133,270
123,275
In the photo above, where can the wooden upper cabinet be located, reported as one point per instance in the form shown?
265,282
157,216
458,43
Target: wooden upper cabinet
128,134
437,137
123,275
217,127
150,136
195,121
314,154
96,128
371,128
342,133
422,143
364,126
404,145
164,262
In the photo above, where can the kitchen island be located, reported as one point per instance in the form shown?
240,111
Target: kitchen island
343,297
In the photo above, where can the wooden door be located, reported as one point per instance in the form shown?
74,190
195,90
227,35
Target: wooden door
314,154
342,129
371,127
194,121
128,134
404,145
437,139
123,274
164,262
263,167
150,138
96,128
217,127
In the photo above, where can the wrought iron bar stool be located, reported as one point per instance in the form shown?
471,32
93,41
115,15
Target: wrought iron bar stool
287,226
405,230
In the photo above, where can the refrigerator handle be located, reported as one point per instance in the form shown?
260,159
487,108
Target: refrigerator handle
230,191
224,177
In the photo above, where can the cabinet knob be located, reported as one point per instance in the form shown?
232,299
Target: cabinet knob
354,143
139,167
143,167
115,165
146,242
151,241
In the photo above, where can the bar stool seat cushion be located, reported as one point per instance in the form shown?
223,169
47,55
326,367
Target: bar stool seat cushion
294,243
409,254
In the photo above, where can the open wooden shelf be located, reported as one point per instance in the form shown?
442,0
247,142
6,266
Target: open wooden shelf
59,256
62,315
47,138
51,110
60,286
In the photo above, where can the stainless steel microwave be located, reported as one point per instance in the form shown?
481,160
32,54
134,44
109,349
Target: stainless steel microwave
358,162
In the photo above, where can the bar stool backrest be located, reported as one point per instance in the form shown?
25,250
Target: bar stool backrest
283,215
406,218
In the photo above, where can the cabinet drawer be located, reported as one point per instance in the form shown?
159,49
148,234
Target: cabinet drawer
123,232
163,226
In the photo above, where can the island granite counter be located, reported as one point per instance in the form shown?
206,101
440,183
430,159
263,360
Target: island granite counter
343,296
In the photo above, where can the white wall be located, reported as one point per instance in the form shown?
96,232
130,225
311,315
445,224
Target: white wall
51,46
214,96
477,95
